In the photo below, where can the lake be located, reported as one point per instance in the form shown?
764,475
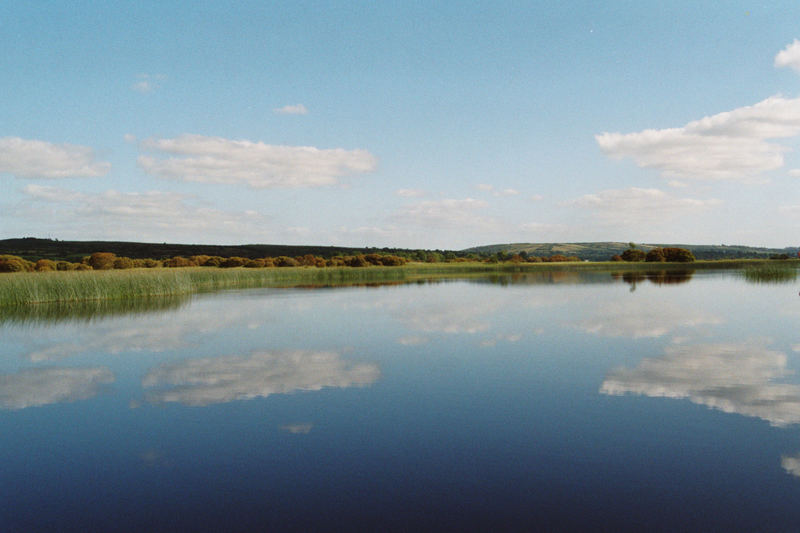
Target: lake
553,401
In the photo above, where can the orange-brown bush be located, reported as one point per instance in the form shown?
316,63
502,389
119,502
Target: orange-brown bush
45,265
122,263
101,260
178,262
254,263
283,261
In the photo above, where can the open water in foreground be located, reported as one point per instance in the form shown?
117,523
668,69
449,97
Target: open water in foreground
549,402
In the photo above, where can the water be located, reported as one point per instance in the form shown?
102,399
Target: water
562,401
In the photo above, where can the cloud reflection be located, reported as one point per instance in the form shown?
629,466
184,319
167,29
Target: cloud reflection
150,333
298,429
644,320
791,464
43,386
734,378
210,380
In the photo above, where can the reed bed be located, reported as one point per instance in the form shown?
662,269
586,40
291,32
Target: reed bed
75,286
770,273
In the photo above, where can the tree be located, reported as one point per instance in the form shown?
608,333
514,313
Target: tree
633,255
656,255
678,255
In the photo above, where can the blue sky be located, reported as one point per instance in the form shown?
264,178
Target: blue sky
410,124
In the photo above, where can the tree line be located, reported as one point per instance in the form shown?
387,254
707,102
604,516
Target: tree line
655,255
111,261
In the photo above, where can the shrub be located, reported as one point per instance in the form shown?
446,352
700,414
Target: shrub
12,263
284,261
233,262
633,255
307,260
213,261
392,260
656,255
65,265
45,265
616,258
101,260
121,263
178,262
678,255
82,266
254,263
373,259
356,261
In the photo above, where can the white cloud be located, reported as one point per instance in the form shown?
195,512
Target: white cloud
728,145
795,172
216,160
31,158
297,109
789,56
412,340
536,197
204,381
490,188
734,378
452,213
410,193
543,227
43,386
635,205
153,215
147,83
489,343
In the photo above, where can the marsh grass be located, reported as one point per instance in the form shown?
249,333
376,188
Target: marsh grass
25,288
770,273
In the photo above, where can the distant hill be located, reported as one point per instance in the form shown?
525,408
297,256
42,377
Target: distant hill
33,249
602,251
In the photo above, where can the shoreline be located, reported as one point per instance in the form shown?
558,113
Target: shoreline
28,288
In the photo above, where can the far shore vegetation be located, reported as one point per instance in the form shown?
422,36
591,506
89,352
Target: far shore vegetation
106,276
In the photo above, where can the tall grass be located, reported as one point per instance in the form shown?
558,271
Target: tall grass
40,287
71,286
770,273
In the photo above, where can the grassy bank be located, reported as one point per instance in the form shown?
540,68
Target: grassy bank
29,288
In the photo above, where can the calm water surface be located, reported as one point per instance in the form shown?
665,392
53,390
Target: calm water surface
551,402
